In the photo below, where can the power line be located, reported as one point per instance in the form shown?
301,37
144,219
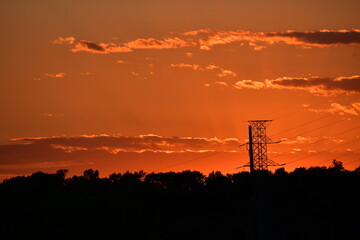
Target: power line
290,105
316,129
290,162
339,156
280,109
352,161
301,125
343,132
296,111
321,140
332,123
272,112
194,159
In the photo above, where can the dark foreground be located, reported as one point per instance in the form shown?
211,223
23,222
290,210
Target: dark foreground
315,203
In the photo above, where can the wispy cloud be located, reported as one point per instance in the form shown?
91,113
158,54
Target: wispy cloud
337,108
356,106
55,75
52,115
149,43
259,40
69,150
226,73
47,115
64,40
322,37
129,143
195,67
102,48
221,83
221,71
315,85
205,39
86,73
298,140
153,43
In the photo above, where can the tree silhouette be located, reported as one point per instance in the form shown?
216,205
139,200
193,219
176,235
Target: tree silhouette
337,165
280,172
61,173
308,203
115,177
91,175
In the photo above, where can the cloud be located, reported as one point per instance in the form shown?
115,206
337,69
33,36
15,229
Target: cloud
259,40
87,46
64,40
185,65
324,86
107,152
336,108
86,73
153,43
27,153
315,85
226,73
51,115
102,48
322,37
298,140
222,72
47,115
55,75
113,48
121,150
195,67
149,43
131,143
205,39
197,32
221,83
250,84
356,106
68,149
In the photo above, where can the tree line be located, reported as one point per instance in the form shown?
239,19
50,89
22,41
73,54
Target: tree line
307,203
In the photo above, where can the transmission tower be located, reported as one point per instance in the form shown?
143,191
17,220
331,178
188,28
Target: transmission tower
257,146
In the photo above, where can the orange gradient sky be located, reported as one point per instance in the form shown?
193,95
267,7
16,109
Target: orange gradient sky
169,85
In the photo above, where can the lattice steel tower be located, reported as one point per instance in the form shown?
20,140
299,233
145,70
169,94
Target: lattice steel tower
258,146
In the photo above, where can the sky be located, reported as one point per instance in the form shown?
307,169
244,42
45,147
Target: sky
170,85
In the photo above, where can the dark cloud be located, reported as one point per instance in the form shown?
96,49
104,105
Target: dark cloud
315,85
153,142
28,153
346,84
55,149
207,38
92,46
323,37
88,46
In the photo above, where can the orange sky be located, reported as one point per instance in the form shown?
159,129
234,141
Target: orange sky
169,85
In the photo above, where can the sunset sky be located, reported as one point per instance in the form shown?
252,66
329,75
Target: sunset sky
170,85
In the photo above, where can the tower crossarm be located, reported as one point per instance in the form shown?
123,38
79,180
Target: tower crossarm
257,146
